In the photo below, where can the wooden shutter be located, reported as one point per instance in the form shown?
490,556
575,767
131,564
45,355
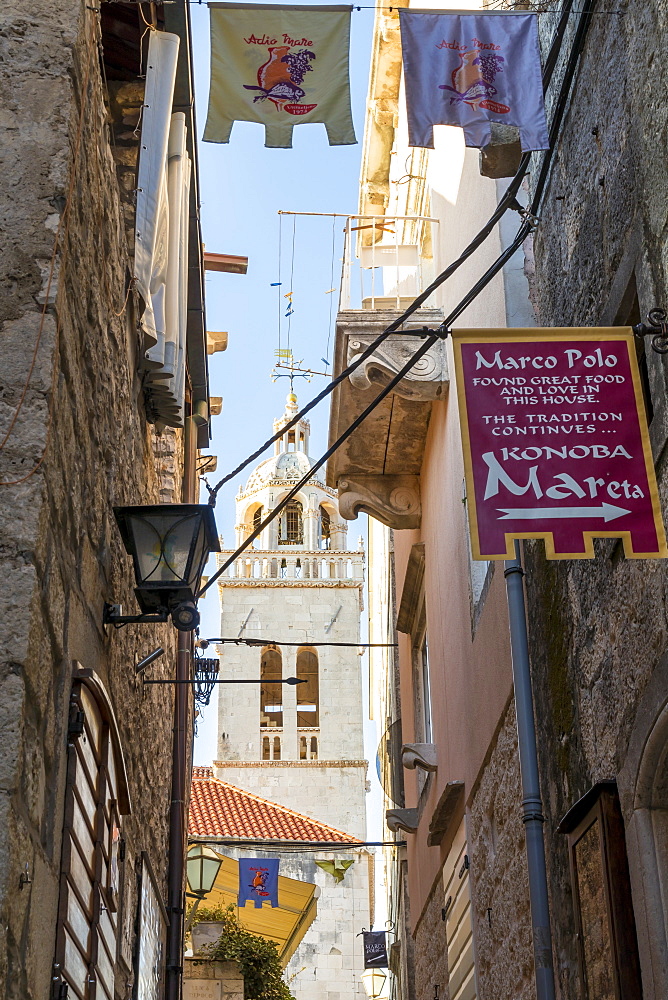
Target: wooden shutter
458,920
87,917
609,965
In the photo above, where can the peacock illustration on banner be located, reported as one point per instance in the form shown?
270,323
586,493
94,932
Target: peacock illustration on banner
473,80
279,79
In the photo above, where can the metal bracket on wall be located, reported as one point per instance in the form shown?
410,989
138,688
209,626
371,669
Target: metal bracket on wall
112,615
425,332
656,327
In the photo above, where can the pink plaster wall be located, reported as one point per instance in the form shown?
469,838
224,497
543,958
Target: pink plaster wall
470,676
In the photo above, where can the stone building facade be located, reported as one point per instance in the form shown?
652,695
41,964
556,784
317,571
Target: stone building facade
597,628
85,750
298,589
301,745
600,642
323,953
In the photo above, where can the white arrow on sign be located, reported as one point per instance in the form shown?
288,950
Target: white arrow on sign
607,511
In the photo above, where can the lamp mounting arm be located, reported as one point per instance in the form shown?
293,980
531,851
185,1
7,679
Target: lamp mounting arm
112,615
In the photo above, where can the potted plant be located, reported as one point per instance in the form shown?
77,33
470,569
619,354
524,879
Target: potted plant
207,925
257,958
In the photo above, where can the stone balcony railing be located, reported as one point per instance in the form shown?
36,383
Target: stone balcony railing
322,566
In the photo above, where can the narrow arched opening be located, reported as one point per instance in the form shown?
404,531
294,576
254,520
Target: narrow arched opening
291,524
271,700
325,528
308,708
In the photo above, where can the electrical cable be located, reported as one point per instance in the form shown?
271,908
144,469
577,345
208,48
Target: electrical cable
432,336
296,846
357,7
275,642
505,203
429,342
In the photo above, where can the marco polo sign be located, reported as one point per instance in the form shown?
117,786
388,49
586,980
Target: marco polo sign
555,442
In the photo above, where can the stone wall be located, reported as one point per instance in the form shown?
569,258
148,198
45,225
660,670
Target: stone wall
430,951
204,980
598,629
80,444
499,884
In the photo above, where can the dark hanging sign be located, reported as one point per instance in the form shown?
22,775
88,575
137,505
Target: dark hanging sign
375,951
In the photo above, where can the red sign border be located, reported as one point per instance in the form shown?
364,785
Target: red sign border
551,334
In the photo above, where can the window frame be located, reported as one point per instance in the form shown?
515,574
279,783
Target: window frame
96,797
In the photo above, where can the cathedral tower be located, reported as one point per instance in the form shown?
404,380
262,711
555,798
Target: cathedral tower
300,746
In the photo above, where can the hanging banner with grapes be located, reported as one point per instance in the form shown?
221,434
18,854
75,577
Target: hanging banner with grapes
281,67
471,70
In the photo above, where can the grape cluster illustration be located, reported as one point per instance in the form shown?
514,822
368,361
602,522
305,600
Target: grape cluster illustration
298,64
490,65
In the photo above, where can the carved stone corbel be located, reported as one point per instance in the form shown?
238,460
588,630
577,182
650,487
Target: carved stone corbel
393,500
427,380
402,819
422,755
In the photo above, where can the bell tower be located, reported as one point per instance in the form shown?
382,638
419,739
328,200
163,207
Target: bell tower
298,588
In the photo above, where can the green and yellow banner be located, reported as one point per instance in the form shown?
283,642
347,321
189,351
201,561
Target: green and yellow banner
279,66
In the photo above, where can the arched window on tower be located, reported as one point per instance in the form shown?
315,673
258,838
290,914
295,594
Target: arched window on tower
271,698
325,528
291,526
308,710
257,518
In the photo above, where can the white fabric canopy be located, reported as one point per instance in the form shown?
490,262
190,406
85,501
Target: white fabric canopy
161,237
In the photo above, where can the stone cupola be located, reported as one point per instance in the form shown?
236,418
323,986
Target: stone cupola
311,521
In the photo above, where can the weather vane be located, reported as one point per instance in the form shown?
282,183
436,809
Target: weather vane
285,359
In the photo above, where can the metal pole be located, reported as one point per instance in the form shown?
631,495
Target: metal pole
180,769
532,806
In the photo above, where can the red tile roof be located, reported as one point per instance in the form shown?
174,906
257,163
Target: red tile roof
218,809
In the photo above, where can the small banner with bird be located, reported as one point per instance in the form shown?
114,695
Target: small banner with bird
471,70
279,66
258,881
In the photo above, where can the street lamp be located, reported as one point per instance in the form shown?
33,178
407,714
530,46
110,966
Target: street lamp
202,867
374,982
169,545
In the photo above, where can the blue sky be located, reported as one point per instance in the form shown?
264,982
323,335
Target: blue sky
242,187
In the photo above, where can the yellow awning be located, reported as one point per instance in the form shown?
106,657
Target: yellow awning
285,924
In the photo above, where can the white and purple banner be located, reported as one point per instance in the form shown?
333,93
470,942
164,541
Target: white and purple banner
470,70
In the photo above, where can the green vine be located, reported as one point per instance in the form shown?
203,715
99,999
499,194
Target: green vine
257,957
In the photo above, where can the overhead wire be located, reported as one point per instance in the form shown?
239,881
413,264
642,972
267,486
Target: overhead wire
507,201
431,337
331,290
429,342
494,7
306,642
295,846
